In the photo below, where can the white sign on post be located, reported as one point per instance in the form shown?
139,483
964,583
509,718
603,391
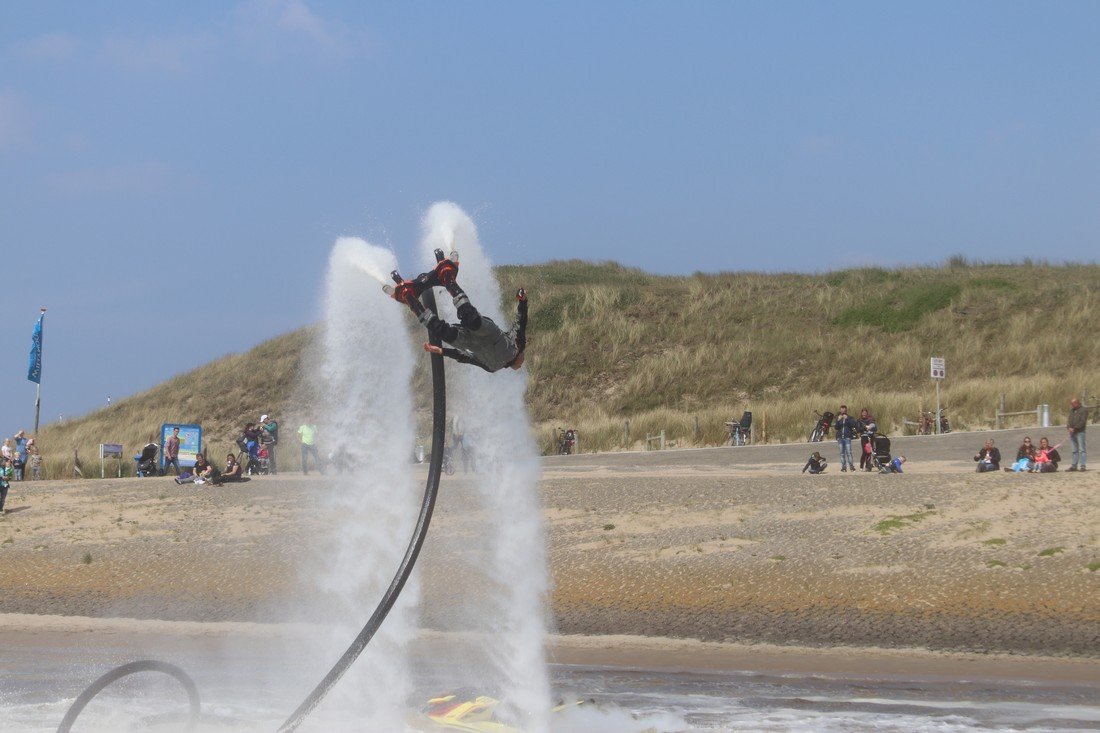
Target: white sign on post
939,370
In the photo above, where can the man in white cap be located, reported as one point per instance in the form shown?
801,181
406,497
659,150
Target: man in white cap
269,437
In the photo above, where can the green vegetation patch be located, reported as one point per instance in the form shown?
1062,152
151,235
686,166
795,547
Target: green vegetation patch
608,527
995,564
900,309
994,542
87,558
1092,567
995,283
1052,551
779,557
900,521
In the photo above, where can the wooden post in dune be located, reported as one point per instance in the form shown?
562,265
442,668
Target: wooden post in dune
695,432
764,427
626,433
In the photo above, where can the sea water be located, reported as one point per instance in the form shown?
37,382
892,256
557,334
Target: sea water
42,675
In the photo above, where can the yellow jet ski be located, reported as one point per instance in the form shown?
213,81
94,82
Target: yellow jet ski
473,713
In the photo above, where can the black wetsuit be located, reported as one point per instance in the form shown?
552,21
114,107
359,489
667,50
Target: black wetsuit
477,339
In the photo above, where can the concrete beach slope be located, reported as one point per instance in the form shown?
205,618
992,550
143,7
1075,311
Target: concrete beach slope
724,544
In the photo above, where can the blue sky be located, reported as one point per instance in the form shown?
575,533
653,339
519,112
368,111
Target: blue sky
172,175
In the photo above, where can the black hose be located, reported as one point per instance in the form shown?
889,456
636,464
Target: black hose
439,422
147,665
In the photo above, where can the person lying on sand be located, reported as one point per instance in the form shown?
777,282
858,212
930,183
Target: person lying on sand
476,339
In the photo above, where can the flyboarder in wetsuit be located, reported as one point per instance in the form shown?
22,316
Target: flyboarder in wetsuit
476,339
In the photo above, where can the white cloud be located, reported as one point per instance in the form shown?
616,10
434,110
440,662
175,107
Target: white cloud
14,121
272,28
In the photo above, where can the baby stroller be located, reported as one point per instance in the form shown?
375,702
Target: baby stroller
147,460
880,454
249,457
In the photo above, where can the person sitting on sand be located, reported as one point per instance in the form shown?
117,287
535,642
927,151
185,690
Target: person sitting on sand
1046,457
476,339
895,465
816,464
232,470
204,471
988,458
1025,454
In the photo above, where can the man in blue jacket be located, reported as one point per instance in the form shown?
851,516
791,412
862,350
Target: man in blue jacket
845,430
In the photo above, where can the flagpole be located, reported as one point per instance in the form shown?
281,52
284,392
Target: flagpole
38,384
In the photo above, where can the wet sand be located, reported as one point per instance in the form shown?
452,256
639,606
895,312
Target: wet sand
726,548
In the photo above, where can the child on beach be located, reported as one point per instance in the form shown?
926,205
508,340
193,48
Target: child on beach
816,464
1046,457
6,474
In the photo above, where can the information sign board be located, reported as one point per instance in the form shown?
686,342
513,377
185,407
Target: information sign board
190,442
939,369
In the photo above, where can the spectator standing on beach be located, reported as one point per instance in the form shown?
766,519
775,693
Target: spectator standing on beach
988,458
36,461
867,428
846,429
269,438
307,432
172,451
1078,418
21,447
6,474
5,450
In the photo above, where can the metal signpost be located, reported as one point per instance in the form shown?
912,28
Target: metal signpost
939,373
110,450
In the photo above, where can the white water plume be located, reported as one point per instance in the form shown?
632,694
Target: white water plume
368,416
510,549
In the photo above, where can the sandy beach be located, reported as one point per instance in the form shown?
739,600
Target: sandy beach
682,558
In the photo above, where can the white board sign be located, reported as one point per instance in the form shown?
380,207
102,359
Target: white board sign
939,369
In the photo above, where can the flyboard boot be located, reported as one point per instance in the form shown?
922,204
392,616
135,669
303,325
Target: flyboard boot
444,274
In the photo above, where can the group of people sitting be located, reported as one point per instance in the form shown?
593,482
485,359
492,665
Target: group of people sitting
1030,458
204,472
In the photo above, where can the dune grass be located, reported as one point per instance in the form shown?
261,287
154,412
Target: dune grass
619,354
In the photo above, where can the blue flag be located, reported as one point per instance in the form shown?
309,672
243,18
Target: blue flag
34,371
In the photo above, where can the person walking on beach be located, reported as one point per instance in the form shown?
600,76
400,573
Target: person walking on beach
1078,418
172,451
308,434
845,431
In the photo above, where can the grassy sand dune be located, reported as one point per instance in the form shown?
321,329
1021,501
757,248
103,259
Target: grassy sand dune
611,345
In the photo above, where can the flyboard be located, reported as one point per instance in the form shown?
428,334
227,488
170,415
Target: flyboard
439,422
